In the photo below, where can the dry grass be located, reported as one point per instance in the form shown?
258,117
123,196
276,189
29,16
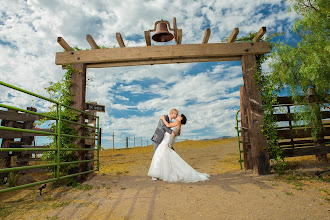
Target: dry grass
124,161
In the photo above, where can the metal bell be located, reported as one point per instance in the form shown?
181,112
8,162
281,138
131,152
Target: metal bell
162,34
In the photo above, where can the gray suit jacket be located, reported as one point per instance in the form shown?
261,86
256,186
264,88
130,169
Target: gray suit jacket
160,130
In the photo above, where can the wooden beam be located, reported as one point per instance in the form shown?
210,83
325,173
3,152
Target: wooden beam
206,36
259,35
233,35
120,40
91,42
171,53
64,44
260,155
179,40
147,37
164,61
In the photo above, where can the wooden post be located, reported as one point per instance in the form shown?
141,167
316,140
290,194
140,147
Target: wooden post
320,138
89,143
260,156
78,92
247,154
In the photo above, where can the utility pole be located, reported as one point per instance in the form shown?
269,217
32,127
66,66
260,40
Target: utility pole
113,140
141,142
134,140
147,143
127,142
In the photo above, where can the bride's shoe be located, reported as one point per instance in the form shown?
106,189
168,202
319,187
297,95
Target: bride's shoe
154,178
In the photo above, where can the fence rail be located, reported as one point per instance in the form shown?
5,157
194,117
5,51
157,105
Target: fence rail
11,132
297,140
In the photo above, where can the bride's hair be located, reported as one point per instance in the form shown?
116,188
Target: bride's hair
184,119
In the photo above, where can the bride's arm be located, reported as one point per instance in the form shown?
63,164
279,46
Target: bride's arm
179,126
171,125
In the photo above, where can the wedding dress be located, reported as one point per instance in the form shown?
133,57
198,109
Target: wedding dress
167,165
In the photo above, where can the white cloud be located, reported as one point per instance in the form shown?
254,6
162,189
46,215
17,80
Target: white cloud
29,30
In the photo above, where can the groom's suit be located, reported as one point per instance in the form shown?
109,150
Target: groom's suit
160,131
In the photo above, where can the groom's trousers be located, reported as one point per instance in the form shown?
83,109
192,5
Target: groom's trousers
155,146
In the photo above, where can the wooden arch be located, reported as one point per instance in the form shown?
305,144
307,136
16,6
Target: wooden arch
254,143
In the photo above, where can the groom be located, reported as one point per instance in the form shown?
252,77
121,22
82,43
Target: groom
161,128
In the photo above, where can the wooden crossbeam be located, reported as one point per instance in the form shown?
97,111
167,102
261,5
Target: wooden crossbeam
91,42
259,35
233,36
120,40
179,40
162,54
206,36
163,61
147,37
64,44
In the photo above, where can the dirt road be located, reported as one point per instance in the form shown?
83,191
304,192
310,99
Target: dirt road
122,190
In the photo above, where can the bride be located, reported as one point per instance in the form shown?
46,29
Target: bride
167,165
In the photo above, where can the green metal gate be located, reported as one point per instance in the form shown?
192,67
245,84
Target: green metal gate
56,163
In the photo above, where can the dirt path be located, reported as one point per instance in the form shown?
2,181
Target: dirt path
121,190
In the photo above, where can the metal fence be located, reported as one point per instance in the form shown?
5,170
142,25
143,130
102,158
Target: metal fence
58,134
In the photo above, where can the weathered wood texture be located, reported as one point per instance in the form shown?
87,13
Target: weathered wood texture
260,157
26,141
147,37
16,134
259,35
128,56
298,141
6,140
9,119
120,40
206,36
247,154
89,143
15,116
233,35
64,44
91,42
78,92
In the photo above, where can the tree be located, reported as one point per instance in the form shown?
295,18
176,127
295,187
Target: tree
306,66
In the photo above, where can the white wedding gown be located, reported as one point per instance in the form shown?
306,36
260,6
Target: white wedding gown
167,165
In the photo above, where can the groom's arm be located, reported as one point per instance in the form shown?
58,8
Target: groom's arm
167,129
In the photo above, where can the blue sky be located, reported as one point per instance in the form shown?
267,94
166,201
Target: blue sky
135,97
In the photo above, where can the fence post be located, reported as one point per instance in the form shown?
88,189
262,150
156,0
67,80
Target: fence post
91,143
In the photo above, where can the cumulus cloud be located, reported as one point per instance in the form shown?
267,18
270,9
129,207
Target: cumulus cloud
135,96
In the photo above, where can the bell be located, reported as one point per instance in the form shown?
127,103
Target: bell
162,34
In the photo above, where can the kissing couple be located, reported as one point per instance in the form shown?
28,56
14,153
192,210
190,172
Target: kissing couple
166,164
